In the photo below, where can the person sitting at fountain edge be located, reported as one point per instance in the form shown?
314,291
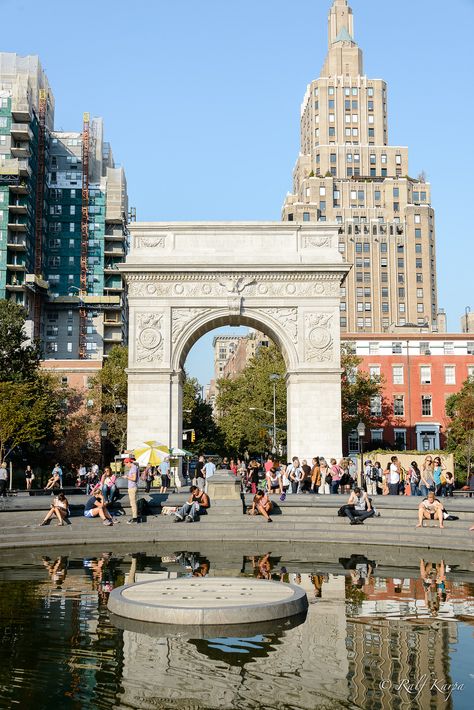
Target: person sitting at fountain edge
196,505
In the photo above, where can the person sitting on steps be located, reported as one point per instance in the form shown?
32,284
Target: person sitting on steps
196,505
97,507
430,509
358,507
261,504
59,508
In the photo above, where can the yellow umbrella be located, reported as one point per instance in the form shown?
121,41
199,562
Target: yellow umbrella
150,453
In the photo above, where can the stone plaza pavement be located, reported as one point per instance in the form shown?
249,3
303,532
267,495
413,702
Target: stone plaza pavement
300,519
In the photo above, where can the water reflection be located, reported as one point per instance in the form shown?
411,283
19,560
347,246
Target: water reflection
368,639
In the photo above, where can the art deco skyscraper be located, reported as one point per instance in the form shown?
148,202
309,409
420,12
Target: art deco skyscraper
349,174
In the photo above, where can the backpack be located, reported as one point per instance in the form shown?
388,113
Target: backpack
374,474
143,508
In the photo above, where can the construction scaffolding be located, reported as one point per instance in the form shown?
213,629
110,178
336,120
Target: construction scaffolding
42,108
84,237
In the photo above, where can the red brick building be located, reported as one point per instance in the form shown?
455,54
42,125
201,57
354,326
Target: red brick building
419,373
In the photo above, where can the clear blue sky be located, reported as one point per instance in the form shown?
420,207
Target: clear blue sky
201,101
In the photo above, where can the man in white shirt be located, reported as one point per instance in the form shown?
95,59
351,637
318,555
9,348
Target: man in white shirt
358,507
208,470
295,474
394,477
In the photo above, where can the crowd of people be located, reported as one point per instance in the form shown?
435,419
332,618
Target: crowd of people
332,477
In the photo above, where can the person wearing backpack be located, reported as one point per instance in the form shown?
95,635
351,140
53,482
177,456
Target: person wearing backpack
414,476
371,478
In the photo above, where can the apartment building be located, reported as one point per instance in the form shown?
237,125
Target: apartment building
246,349
348,173
26,113
63,220
102,297
419,372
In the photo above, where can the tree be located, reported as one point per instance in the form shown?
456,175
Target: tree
460,410
358,390
19,359
76,435
28,413
241,427
197,415
109,393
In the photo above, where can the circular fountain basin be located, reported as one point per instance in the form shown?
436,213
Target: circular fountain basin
212,601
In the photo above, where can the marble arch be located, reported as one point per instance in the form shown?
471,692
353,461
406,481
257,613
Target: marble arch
185,279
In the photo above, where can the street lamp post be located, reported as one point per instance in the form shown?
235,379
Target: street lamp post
361,435
274,378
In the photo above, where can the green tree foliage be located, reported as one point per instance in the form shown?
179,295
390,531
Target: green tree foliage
197,415
357,390
245,429
460,410
28,413
19,360
109,395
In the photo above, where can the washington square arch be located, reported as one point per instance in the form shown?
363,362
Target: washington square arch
185,279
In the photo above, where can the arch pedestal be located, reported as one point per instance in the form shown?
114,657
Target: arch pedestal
187,279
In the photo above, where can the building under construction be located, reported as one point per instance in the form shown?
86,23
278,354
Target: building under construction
63,220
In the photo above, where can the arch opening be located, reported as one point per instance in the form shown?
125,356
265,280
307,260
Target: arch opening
223,317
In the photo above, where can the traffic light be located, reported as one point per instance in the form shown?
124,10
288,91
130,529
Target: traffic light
193,436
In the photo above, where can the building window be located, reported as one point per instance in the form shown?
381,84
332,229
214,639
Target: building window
376,435
399,405
425,374
470,348
449,374
376,406
426,408
373,348
353,441
470,372
448,348
374,372
305,216
417,219
396,348
400,437
397,374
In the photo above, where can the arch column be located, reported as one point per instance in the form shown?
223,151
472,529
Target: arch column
314,414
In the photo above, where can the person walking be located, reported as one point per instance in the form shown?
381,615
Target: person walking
132,477
3,479
208,470
164,471
29,477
